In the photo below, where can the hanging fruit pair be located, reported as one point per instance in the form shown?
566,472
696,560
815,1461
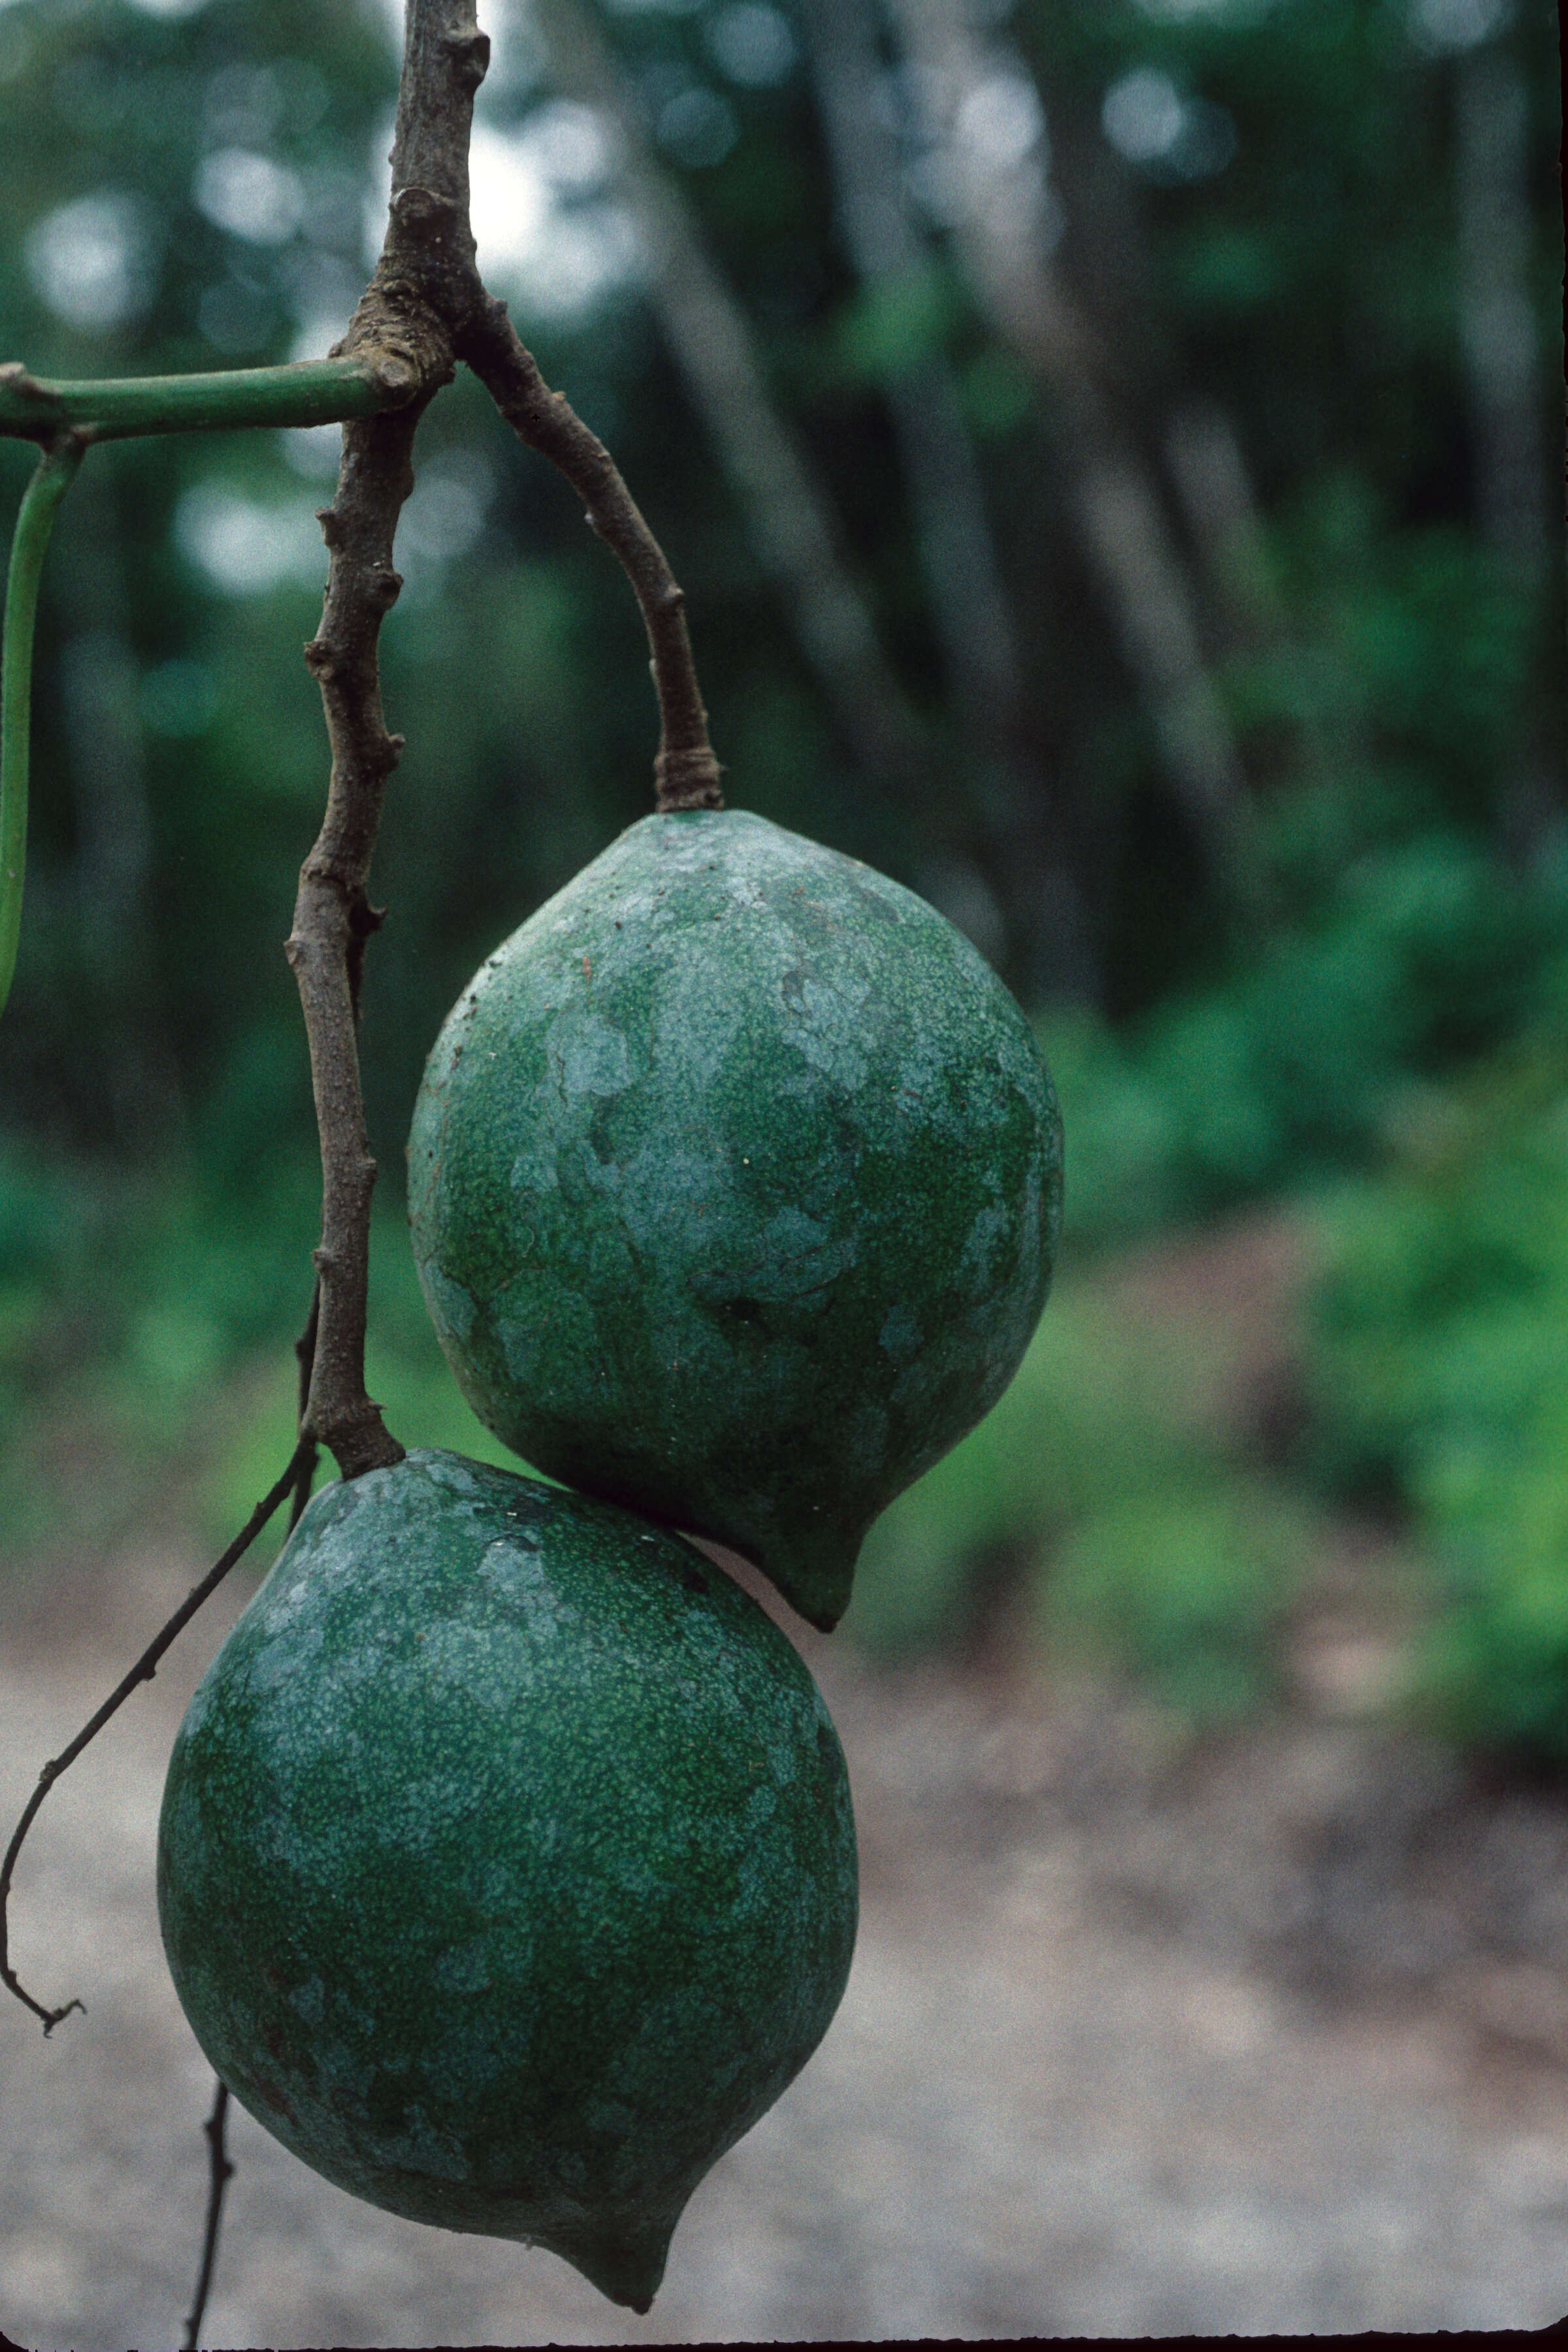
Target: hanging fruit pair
506,1865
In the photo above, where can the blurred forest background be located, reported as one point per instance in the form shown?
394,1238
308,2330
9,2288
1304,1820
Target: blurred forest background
1112,452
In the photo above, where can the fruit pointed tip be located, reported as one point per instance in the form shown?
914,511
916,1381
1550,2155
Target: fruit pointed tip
626,2265
816,1589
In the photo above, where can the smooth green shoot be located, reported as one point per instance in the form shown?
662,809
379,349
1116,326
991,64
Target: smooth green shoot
34,519
302,392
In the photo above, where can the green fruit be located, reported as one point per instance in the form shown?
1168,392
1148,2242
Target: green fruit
734,1187
506,1868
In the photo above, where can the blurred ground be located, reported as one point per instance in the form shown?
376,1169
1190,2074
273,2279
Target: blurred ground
1263,2035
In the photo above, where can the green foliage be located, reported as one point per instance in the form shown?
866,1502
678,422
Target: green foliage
156,1325
1143,1540
1427,951
889,328
1493,1670
1391,703
1090,1413
1395,689
1399,684
1185,1588
1441,1383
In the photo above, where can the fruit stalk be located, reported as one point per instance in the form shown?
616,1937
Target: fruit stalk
686,773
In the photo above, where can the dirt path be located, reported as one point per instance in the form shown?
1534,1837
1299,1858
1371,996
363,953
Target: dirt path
1269,2038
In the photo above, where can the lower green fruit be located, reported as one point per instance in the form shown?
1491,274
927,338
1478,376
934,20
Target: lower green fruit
506,1867
734,1186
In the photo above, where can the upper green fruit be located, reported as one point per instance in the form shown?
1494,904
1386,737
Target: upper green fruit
734,1185
506,1868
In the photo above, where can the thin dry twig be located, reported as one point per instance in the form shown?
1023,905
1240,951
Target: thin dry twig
686,773
143,1670
220,2170
220,2166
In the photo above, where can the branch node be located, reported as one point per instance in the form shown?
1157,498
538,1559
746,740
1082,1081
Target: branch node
470,55
395,374
16,375
687,779
422,208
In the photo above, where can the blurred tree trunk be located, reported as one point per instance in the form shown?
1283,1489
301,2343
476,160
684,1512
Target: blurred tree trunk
1208,469
785,512
1113,497
1029,872
1513,495
1497,323
970,608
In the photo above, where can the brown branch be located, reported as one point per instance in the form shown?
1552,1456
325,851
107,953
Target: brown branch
428,246
143,1670
426,307
305,1356
333,917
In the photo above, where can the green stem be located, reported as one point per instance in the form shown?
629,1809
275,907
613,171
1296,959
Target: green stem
34,519
305,392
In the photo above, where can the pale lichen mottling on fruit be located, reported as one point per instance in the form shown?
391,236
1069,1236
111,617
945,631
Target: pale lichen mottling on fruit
590,1057
900,1334
456,1303
466,1967
311,2000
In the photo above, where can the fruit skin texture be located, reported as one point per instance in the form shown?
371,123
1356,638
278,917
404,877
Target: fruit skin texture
734,1189
506,1868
